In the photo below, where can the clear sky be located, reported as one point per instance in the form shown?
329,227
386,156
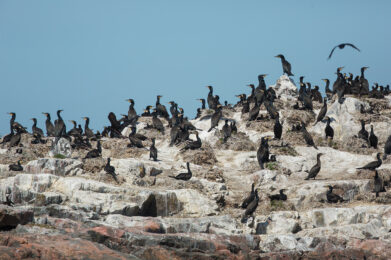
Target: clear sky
88,56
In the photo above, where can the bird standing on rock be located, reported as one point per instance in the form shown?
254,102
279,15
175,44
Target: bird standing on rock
153,151
16,167
286,66
110,170
315,169
249,198
378,185
332,197
280,196
372,139
307,137
329,131
322,112
263,152
184,176
372,165
251,207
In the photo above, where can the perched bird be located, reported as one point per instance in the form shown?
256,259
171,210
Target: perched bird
277,128
280,196
132,114
59,125
36,130
315,169
261,228
192,145
363,134
134,141
153,151
322,112
251,207
254,111
378,184
307,137
329,131
332,197
202,100
372,165
249,198
161,109
110,170
211,100
156,123
372,139
184,176
214,121
286,66
96,152
263,152
341,46
87,131
49,125
226,131
16,167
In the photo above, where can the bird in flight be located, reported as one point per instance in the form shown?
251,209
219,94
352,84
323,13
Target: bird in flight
341,46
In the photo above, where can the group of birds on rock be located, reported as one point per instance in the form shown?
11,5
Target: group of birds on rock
181,128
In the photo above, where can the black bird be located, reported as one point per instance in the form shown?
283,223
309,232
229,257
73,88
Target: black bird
251,207
16,167
211,99
387,147
322,112
328,129
202,100
36,130
161,109
87,131
378,185
132,114
263,152
21,129
372,165
184,176
277,128
234,129
372,139
253,113
110,170
363,134
153,151
364,85
74,131
96,152
327,90
156,123
332,197
249,198
147,111
286,66
307,137
214,121
226,131
59,125
261,228
15,138
193,144
134,141
49,125
280,196
341,46
315,169
38,139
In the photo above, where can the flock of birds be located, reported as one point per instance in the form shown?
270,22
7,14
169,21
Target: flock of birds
180,127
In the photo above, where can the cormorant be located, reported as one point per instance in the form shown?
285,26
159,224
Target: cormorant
263,152
251,207
245,107
328,129
87,131
15,138
387,147
328,91
96,152
286,66
36,130
74,131
316,94
363,134
198,115
226,131
332,197
49,125
59,125
364,85
249,198
322,112
132,114
134,141
253,114
277,128
341,46
211,99
214,121
372,165
372,139
202,100
137,135
234,129
161,109
18,127
38,139
16,167
184,176
153,151
173,108
315,169
307,137
280,196
261,228
378,185
147,111
271,109
156,123
251,97
110,170
193,144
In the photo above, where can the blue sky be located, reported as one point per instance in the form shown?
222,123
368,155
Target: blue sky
88,56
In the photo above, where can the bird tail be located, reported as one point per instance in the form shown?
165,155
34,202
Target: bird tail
172,177
210,129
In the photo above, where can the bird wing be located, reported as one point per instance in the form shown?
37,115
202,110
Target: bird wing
351,45
331,53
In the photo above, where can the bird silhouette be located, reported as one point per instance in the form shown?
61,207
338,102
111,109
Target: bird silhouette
341,46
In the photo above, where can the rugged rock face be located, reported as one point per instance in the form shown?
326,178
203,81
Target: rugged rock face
68,207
